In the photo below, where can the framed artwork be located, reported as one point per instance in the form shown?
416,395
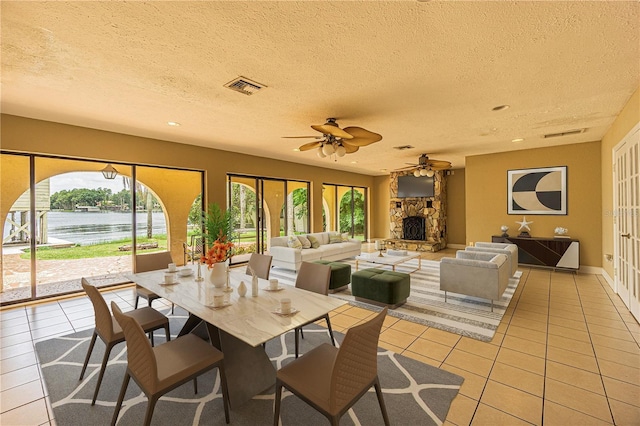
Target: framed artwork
537,191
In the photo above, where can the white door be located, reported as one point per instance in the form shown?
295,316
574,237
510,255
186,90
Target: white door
627,223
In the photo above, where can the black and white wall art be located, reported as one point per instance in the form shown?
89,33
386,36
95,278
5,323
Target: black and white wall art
540,191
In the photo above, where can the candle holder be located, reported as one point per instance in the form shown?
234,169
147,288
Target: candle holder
380,245
227,288
199,276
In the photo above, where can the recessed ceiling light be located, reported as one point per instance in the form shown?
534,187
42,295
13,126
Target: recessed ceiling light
354,162
173,123
383,170
500,108
517,140
296,149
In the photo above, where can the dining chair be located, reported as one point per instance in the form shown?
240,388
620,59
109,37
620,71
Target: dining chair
332,380
260,264
150,262
193,251
110,332
158,370
314,277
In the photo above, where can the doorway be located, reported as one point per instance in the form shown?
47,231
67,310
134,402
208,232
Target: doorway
626,157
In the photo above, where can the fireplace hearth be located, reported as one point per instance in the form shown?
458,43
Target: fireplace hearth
413,228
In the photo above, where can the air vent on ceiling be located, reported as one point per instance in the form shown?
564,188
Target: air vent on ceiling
567,133
244,85
403,147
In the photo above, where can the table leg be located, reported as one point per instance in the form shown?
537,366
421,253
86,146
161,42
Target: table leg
356,265
249,370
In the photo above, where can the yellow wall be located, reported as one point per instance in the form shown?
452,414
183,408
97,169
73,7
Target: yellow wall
21,134
379,206
456,209
486,195
626,120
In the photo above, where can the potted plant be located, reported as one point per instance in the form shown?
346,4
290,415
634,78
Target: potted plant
218,237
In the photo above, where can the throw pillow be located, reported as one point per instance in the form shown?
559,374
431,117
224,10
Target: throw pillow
294,242
345,237
334,238
304,241
314,241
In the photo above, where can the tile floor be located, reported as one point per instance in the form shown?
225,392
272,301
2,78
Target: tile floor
566,353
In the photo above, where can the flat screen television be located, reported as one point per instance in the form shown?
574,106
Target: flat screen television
410,186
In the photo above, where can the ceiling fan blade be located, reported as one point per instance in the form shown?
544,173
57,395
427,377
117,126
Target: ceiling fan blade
438,164
302,137
327,129
310,145
411,164
362,137
404,168
349,147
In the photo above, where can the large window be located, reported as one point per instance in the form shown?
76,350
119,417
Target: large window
345,210
63,221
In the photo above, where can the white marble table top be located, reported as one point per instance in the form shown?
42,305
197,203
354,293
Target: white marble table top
250,319
387,259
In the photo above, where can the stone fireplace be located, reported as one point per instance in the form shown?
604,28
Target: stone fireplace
431,210
413,228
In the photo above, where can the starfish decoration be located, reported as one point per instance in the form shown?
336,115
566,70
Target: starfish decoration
524,224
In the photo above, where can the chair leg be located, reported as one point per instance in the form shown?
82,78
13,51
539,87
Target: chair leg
225,390
276,410
301,333
150,407
333,341
86,360
296,331
135,305
103,367
383,408
491,305
151,337
123,390
167,335
195,385
172,306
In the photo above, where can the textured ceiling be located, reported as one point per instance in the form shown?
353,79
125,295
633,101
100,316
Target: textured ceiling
425,74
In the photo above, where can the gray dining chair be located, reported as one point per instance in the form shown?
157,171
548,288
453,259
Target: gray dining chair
260,264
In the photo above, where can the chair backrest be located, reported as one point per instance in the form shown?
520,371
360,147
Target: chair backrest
356,364
260,264
103,319
314,277
152,261
141,360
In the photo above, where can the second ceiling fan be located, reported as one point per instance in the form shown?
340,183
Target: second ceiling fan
335,140
426,166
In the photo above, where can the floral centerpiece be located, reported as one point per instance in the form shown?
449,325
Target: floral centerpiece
218,225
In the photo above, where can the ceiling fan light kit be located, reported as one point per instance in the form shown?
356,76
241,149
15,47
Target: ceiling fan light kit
426,167
338,141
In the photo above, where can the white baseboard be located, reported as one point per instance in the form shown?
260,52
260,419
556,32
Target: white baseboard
608,279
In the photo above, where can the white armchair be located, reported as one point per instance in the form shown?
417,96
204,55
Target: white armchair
511,250
478,274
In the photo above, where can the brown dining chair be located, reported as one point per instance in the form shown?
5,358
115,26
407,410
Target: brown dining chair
109,331
260,264
158,370
314,277
332,380
150,262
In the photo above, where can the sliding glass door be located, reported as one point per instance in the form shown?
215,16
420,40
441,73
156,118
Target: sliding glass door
263,208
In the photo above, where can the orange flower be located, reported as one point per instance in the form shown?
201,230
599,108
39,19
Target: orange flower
220,251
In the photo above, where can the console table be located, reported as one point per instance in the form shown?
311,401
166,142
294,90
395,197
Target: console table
560,253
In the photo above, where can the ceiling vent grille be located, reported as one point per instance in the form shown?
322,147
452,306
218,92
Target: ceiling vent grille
567,133
403,147
244,85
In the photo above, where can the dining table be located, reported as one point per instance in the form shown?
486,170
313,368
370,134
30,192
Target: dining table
242,324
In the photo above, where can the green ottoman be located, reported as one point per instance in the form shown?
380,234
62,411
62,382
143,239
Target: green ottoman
340,275
381,287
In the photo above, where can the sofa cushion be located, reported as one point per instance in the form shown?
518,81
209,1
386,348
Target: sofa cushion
344,237
334,238
314,241
294,242
306,244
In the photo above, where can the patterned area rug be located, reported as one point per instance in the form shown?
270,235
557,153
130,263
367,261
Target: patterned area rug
414,393
464,315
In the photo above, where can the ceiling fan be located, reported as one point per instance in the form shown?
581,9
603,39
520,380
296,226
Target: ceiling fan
427,166
335,140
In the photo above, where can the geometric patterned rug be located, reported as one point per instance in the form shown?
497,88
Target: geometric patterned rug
414,393
465,315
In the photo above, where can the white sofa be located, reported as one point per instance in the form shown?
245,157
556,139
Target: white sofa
291,258
477,274
511,250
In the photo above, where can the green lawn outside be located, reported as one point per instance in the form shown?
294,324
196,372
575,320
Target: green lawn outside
94,250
